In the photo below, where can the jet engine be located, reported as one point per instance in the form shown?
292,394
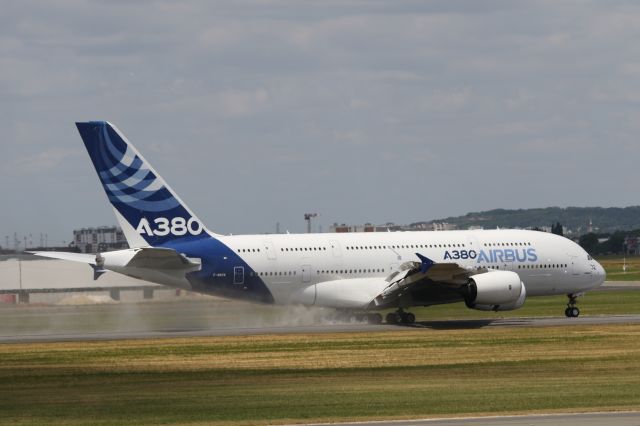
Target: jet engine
495,291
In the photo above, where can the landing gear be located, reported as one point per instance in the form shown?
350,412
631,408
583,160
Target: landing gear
400,317
572,310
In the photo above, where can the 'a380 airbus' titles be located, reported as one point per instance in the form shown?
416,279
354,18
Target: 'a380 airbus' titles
361,273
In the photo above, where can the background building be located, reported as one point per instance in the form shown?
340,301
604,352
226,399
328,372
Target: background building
631,245
102,238
392,227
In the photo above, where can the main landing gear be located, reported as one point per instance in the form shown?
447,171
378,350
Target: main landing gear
572,310
400,317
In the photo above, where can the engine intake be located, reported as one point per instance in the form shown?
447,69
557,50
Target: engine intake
495,291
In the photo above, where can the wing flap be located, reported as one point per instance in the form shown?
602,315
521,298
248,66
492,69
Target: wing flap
412,273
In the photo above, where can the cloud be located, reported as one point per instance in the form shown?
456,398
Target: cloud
38,163
345,106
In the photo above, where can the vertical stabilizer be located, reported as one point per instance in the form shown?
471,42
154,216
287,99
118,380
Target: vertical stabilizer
148,210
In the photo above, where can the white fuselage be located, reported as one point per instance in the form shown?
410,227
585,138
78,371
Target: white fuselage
288,264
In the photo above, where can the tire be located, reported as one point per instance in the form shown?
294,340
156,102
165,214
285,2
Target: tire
392,318
567,312
408,318
575,312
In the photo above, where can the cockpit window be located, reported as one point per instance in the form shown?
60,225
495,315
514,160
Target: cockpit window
589,257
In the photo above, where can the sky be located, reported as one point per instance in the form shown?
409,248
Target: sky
256,112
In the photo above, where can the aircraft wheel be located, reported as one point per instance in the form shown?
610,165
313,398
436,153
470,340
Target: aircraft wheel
408,318
392,318
374,318
572,310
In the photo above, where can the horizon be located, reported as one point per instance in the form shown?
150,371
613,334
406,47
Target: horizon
35,237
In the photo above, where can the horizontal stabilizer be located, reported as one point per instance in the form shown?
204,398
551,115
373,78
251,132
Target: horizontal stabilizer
161,258
63,255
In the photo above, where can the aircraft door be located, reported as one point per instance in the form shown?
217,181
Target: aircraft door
238,275
575,267
335,248
269,250
306,273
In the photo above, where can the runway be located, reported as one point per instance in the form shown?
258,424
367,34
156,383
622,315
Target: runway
211,317
580,419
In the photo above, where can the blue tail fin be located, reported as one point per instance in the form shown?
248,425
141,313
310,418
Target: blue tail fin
149,212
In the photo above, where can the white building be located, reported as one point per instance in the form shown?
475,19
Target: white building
102,238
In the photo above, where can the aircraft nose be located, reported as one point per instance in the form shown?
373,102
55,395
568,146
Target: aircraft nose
600,273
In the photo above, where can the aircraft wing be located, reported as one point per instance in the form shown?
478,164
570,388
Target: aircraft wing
412,274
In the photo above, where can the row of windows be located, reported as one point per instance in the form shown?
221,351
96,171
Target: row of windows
351,271
304,249
506,244
554,266
285,249
404,246
270,274
401,246
319,272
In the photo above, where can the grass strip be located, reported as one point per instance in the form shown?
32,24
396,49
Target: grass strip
326,377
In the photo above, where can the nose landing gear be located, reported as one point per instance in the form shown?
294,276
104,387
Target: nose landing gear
572,310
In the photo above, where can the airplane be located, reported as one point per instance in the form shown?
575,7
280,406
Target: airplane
356,273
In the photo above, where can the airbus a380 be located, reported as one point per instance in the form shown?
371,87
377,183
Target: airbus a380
361,273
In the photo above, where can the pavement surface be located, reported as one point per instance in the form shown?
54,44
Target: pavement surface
214,317
580,419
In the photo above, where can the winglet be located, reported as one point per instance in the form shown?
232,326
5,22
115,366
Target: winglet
426,263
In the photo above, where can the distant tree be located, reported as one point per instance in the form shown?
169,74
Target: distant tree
557,229
615,243
589,242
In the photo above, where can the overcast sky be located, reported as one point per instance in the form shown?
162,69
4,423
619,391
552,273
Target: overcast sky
372,111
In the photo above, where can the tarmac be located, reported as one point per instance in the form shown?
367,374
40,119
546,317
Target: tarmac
571,419
205,317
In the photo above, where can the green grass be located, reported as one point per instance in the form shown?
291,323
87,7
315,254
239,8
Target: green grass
329,377
611,302
614,266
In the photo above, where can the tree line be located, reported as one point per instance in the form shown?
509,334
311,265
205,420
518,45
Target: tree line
606,243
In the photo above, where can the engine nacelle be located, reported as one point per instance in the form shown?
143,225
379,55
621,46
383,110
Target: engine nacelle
495,291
